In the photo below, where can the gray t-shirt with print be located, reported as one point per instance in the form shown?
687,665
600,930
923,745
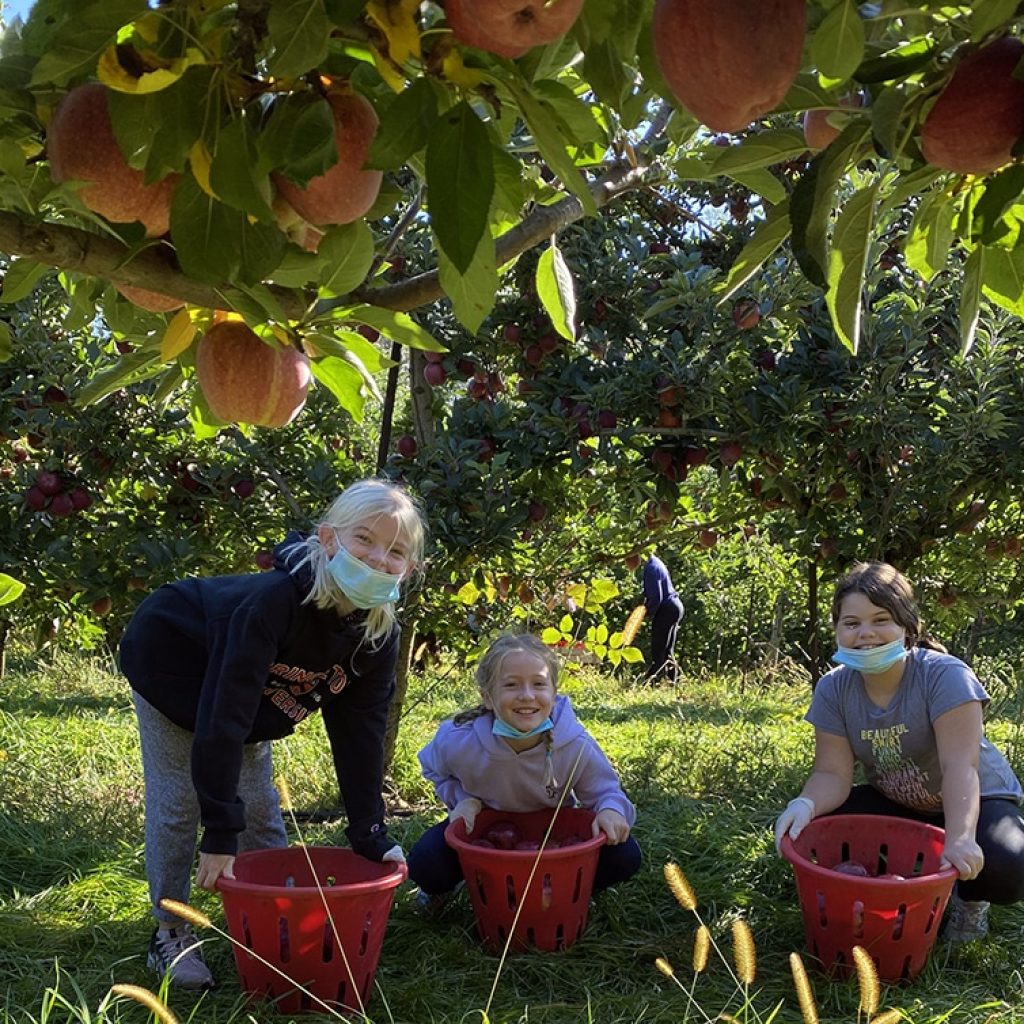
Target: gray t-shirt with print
896,744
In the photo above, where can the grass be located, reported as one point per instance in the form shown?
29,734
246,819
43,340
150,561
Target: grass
709,765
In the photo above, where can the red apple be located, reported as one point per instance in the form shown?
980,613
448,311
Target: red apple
61,505
434,374
243,488
509,28
81,499
407,446
707,538
504,834
264,560
730,452
512,333
35,499
851,867
49,482
101,606
746,314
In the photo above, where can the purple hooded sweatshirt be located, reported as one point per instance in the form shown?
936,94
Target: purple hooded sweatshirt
469,760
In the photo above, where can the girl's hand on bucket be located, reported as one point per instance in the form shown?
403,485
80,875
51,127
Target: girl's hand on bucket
965,855
612,824
794,819
212,866
467,809
396,854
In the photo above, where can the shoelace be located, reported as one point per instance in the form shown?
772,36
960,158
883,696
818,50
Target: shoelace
174,943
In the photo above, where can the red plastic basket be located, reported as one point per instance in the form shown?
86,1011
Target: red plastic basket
895,920
275,909
555,897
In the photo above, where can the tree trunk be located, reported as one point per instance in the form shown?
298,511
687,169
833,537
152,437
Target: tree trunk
813,645
388,413
405,649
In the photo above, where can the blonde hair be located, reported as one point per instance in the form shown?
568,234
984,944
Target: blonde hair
885,586
359,502
488,669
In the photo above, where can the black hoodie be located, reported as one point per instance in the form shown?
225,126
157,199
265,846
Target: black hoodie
238,659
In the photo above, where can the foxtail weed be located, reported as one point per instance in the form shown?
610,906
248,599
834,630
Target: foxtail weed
680,887
160,1010
867,979
701,948
888,1017
804,993
632,626
743,951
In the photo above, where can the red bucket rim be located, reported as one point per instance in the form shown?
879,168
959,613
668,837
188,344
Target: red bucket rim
788,848
455,837
393,878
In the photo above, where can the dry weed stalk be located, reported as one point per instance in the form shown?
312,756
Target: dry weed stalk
804,992
665,967
744,952
867,979
142,995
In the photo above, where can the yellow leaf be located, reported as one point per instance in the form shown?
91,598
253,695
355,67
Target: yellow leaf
458,74
148,26
387,70
199,160
178,336
156,74
397,20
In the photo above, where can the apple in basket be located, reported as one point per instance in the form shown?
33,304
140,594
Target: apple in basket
851,867
504,834
527,844
485,843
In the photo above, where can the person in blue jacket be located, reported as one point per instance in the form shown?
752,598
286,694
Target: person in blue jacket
221,666
665,611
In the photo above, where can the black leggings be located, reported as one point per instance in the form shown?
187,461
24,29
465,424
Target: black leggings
664,626
1000,834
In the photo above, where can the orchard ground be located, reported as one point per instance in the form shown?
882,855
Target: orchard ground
708,765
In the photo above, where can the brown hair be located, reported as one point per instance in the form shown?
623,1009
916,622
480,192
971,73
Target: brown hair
885,586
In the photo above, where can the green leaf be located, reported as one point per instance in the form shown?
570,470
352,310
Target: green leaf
847,261
762,182
838,44
565,624
631,654
299,31
76,46
472,293
460,183
344,381
405,126
1001,192
811,203
509,192
970,298
216,243
298,138
551,144
347,254
931,235
129,369
1002,279
368,354
760,150
233,162
763,242
988,15
602,590
604,70
6,349
897,63
10,589
550,636
398,327
156,130
575,119
602,633
556,290
205,424
21,278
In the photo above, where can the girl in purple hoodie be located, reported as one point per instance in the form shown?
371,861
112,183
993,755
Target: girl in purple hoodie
517,751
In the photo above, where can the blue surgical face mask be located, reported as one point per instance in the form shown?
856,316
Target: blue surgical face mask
873,660
500,728
363,585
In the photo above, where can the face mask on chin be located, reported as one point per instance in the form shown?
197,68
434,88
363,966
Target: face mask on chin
873,660
501,728
363,585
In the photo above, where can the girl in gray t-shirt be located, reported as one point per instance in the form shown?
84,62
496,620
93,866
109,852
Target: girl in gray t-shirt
911,715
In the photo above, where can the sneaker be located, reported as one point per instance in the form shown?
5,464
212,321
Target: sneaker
176,953
965,921
428,904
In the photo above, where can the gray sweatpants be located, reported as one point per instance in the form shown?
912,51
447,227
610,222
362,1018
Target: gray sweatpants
172,809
